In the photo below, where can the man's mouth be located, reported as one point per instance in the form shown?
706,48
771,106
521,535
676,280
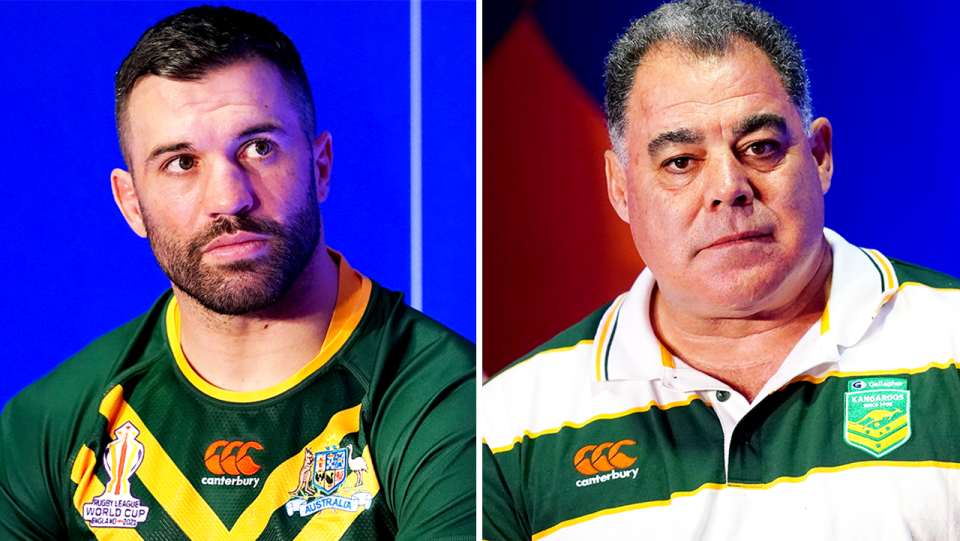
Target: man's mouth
240,245
738,239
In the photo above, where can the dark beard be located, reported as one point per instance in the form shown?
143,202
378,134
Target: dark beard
243,286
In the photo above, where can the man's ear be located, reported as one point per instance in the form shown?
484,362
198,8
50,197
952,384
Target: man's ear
821,145
126,199
323,163
616,185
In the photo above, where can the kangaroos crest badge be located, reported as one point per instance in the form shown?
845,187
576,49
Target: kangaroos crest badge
877,416
321,483
116,507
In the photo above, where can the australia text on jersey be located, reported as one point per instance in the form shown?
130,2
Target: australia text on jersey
320,484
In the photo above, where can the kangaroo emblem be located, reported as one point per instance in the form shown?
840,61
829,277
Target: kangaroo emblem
875,416
305,488
321,485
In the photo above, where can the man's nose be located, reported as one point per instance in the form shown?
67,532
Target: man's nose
229,189
727,182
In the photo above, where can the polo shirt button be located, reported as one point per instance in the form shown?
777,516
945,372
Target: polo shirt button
723,395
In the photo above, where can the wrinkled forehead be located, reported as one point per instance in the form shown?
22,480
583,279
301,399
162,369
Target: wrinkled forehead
676,87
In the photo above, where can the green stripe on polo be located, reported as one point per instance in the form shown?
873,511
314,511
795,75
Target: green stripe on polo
908,272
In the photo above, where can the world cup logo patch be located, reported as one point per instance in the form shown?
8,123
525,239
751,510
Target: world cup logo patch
877,414
116,507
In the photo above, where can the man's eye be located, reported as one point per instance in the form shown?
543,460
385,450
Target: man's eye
679,164
258,149
761,148
180,164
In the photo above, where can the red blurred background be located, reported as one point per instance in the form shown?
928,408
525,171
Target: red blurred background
553,248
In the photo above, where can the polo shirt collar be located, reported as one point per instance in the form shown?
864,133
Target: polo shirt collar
863,281
626,348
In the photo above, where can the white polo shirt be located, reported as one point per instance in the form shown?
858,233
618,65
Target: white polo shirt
857,435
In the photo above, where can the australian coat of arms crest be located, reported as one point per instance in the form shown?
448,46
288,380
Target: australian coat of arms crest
877,414
320,484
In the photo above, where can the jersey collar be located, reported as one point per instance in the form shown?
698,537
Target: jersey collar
626,348
353,295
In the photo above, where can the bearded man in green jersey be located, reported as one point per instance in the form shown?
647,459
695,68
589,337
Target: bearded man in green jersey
275,393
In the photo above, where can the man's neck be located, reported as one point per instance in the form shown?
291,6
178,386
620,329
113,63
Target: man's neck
744,353
261,349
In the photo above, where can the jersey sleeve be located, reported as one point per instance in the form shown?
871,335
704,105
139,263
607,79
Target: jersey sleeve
425,438
501,521
28,478
41,431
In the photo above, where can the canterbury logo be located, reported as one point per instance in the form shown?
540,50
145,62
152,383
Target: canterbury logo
593,459
225,461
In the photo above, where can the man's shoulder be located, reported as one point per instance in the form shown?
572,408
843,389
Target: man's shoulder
391,329
926,303
908,273
421,388
407,360
582,332
84,377
41,427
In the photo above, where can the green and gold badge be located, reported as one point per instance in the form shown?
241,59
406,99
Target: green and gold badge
877,414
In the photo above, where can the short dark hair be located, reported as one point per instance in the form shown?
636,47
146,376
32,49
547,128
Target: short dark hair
704,27
190,44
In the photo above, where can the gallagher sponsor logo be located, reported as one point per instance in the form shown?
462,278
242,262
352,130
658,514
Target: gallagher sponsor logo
606,457
231,458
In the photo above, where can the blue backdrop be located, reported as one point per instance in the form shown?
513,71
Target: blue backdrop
72,269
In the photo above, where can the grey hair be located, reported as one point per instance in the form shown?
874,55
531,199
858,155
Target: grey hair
705,28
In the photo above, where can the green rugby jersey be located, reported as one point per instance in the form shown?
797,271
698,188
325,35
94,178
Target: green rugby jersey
603,432
373,439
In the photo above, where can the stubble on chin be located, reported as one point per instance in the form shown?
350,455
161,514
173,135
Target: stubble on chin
244,286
